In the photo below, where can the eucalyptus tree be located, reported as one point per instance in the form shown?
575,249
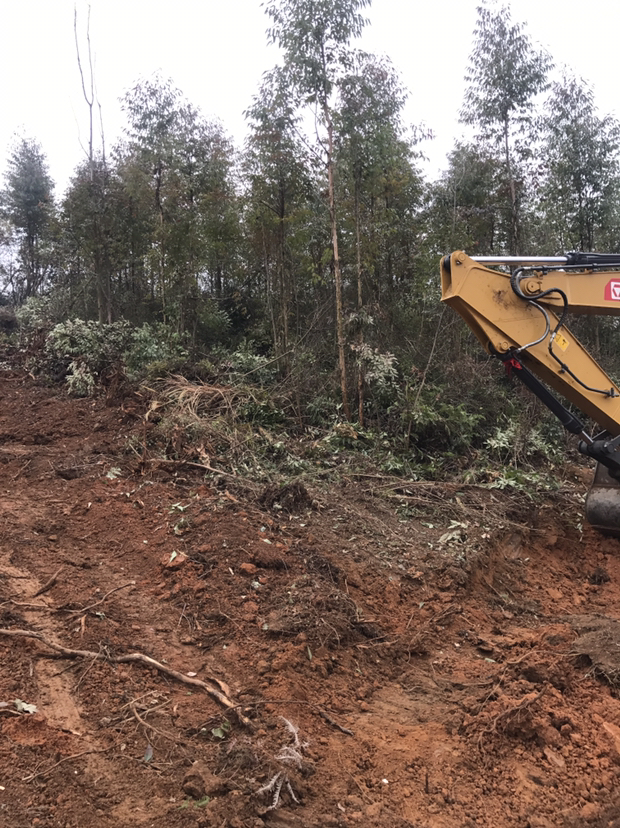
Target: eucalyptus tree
152,109
505,74
26,202
277,167
581,184
464,210
378,185
315,38
91,245
180,165
370,142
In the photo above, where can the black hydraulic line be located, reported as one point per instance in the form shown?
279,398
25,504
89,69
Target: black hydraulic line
593,259
533,300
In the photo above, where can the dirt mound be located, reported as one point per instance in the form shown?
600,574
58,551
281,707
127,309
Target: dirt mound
194,656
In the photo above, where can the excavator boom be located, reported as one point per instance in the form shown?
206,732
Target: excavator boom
519,317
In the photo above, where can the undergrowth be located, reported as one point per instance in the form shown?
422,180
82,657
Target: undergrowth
237,411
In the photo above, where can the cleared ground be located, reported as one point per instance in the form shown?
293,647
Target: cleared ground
445,659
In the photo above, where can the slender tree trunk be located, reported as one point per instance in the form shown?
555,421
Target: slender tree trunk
98,181
284,362
337,273
514,218
360,300
270,298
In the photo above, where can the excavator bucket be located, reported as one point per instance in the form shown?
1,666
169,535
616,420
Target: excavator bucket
603,502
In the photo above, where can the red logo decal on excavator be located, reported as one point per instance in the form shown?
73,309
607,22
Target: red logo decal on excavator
612,290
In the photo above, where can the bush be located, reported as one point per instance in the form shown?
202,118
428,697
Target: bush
83,351
153,344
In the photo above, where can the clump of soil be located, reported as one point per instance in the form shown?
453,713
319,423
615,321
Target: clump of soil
599,642
292,498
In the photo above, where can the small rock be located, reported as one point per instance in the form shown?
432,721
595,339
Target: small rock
262,667
539,822
373,811
590,811
554,758
248,569
250,608
172,561
548,735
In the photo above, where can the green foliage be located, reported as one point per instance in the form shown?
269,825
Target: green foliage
518,442
527,482
314,36
86,350
27,203
380,370
152,344
194,803
579,196
504,75
80,379
505,72
466,208
40,313
83,351
436,425
245,364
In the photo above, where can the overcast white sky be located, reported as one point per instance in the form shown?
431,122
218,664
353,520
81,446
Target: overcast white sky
215,51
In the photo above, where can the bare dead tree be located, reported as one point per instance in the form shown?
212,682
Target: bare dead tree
98,174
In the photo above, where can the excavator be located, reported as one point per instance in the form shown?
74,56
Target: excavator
517,308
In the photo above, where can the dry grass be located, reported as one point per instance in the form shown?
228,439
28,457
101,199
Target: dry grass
199,399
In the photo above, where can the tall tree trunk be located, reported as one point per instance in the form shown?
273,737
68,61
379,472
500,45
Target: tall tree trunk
360,300
98,180
514,217
337,273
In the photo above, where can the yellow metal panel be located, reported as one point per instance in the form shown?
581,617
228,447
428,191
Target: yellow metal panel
503,321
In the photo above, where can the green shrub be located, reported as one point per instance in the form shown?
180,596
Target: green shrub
152,345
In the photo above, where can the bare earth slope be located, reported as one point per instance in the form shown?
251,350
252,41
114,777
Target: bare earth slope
452,668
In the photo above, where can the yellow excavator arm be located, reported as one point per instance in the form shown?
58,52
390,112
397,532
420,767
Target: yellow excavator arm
519,317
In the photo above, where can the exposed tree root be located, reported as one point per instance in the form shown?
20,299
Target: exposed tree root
48,584
213,687
100,601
